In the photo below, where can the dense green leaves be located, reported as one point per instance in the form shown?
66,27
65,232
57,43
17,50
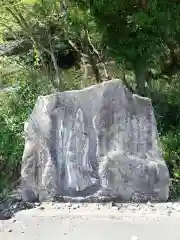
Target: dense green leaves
138,33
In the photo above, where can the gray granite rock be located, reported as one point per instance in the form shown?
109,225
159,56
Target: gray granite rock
97,143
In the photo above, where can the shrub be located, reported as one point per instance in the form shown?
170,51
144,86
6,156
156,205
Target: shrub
171,152
15,108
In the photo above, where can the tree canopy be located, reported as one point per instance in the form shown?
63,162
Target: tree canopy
140,35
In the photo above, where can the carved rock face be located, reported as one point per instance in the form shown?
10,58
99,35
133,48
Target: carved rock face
96,143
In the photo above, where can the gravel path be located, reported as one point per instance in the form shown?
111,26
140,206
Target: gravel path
86,221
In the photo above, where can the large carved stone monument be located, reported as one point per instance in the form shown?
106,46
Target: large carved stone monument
93,144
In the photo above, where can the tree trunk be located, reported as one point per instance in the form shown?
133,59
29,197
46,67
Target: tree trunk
141,75
95,68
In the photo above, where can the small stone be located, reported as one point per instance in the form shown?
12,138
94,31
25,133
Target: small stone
169,213
169,205
37,204
149,204
176,207
68,205
41,208
75,206
115,208
9,230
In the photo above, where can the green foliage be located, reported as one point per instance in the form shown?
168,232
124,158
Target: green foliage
171,150
171,145
166,102
138,33
133,29
15,108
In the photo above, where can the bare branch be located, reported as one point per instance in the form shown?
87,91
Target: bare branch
64,8
21,21
54,63
95,51
125,80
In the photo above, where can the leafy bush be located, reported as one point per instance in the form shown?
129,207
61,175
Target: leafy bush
166,102
15,108
171,151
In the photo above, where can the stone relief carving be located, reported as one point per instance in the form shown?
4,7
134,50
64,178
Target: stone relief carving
106,147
